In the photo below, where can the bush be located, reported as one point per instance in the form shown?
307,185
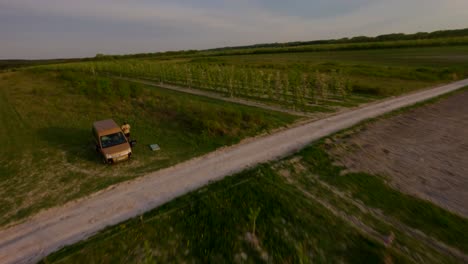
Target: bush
136,90
122,89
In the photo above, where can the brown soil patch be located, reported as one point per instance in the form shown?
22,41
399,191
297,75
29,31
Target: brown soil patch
423,152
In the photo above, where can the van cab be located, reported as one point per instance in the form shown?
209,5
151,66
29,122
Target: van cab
110,141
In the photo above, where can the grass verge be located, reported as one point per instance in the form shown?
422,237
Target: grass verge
215,224
47,156
300,209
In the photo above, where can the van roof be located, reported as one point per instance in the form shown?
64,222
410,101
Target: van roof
106,126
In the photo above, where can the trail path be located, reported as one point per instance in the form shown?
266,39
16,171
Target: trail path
217,96
48,231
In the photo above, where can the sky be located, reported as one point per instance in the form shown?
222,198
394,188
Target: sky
42,29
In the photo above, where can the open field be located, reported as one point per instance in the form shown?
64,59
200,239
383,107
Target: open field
303,208
307,81
220,97
47,157
423,153
303,203
313,91
383,72
84,217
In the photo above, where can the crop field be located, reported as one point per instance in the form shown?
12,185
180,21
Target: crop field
306,81
304,208
47,156
294,89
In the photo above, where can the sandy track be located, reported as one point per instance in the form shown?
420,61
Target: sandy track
50,230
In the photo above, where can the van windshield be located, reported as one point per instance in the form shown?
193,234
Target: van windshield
112,140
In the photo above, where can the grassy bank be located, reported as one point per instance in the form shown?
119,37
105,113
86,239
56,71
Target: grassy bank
213,225
47,156
303,208
300,215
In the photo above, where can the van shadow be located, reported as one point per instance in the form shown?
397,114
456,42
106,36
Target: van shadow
76,143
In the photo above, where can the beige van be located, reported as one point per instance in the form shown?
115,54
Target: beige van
110,141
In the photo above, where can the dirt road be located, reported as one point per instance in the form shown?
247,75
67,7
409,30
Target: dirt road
50,230
217,96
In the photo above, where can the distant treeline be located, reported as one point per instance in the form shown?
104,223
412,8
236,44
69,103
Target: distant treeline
359,39
12,64
396,40
395,44
168,54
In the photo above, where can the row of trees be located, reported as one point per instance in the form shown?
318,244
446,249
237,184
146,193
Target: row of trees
455,33
289,87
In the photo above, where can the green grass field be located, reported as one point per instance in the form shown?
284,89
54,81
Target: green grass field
307,81
296,210
303,211
47,156
381,71
213,225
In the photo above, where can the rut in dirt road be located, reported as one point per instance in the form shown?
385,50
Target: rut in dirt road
50,230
